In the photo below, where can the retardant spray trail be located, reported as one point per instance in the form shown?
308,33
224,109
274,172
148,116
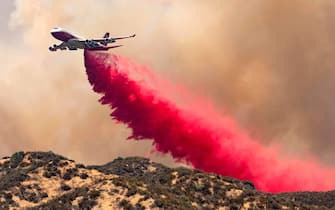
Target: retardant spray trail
211,143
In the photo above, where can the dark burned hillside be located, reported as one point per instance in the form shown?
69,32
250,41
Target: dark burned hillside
39,180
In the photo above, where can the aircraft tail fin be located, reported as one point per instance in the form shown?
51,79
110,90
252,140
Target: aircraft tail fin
106,35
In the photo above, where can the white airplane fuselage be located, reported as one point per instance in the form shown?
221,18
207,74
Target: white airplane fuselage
63,35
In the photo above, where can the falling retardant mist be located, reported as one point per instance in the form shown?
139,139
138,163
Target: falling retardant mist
199,136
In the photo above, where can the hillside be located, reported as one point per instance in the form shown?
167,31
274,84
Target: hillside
44,180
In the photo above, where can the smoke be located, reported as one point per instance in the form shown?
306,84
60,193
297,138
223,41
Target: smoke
210,143
269,63
47,99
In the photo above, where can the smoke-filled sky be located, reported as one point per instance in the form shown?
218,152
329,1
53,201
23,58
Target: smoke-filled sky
268,63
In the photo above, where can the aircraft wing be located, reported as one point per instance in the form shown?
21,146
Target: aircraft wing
89,43
124,37
103,48
77,44
111,39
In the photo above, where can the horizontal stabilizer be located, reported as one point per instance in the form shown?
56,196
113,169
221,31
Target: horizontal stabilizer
114,46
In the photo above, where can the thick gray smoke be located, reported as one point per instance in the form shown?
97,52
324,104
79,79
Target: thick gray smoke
269,63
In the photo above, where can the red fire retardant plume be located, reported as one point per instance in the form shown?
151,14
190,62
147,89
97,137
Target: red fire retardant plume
194,133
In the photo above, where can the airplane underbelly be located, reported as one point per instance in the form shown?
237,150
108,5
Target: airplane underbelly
76,44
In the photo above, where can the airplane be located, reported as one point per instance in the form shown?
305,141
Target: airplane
74,42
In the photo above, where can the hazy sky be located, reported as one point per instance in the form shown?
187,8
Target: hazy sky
6,8
267,63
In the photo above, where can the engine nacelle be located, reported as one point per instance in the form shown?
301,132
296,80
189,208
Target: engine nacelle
91,44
